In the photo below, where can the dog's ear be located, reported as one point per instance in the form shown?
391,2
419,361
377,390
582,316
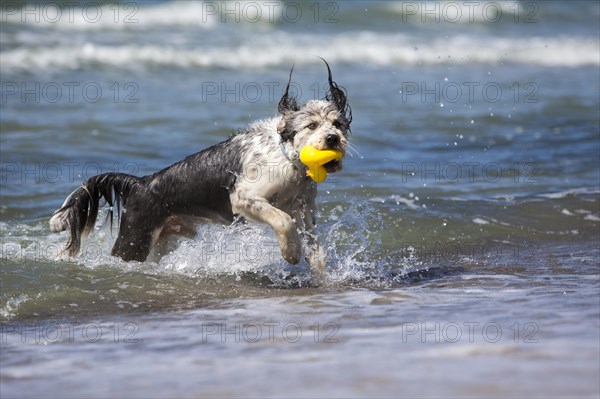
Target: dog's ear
337,95
284,130
288,103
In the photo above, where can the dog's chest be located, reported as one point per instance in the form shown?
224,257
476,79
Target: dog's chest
279,184
268,173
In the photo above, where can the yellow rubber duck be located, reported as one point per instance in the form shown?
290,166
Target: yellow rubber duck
315,159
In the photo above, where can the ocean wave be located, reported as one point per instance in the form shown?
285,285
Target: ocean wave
282,49
572,192
397,242
485,11
111,16
77,16
134,16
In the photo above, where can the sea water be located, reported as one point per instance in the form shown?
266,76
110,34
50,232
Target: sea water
462,236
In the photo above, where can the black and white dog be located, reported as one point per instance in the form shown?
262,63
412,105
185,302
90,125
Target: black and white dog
256,174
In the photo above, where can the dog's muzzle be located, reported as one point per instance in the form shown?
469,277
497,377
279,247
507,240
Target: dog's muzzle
333,166
333,142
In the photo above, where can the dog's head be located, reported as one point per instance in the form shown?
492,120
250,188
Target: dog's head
323,124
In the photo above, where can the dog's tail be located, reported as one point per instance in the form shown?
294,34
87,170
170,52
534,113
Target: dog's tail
79,211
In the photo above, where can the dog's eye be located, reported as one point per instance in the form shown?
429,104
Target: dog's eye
337,124
313,126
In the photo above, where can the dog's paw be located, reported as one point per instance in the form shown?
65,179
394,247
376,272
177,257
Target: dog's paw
291,246
292,251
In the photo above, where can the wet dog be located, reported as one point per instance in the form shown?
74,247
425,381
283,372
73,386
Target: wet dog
256,174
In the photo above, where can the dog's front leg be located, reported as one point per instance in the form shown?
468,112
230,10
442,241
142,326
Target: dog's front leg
261,210
314,254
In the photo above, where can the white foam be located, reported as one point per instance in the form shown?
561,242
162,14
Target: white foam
575,191
456,12
593,218
111,16
283,48
410,202
12,305
225,250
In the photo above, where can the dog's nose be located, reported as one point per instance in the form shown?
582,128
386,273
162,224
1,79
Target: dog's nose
332,140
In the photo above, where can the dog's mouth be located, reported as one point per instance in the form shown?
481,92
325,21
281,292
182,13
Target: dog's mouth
333,166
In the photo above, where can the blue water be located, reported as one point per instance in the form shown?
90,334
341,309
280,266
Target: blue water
462,236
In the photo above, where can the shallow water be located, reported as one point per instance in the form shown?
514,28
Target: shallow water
462,236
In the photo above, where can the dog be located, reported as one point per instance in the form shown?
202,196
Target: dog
256,174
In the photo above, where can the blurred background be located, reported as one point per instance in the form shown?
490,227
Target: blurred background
471,195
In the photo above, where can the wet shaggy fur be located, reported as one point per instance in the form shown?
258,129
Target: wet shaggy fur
255,175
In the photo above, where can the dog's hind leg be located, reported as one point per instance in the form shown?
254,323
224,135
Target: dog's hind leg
175,226
137,235
261,210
